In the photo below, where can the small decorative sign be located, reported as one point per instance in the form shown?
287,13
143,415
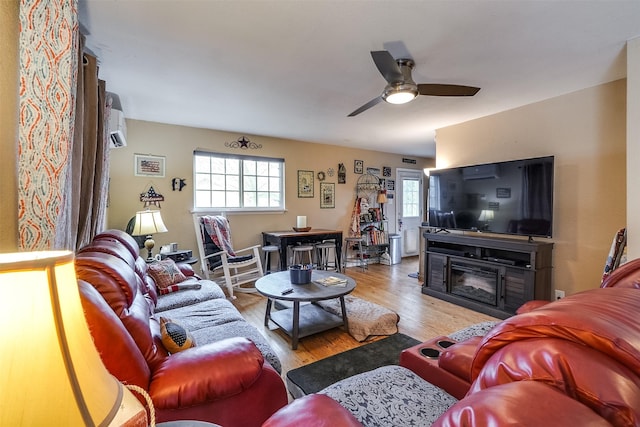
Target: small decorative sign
386,171
373,171
503,193
358,166
406,160
151,198
390,184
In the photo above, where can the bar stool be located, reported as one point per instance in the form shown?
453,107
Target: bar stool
268,250
358,257
299,252
323,250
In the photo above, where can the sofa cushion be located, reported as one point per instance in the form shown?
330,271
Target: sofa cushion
209,290
175,338
166,273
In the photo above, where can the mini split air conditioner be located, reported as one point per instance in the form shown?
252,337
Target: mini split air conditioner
117,129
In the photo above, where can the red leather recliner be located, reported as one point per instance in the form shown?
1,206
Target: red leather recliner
226,382
575,361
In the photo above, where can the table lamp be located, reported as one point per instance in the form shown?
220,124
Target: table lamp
486,215
51,370
148,222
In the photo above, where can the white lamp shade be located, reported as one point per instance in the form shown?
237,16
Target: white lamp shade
51,371
148,222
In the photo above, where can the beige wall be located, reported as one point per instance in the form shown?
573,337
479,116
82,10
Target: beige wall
585,131
177,144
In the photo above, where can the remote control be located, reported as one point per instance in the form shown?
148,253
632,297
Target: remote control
287,291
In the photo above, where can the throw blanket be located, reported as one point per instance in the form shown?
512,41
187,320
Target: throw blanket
217,227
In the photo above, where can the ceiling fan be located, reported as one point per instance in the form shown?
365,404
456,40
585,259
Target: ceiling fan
401,88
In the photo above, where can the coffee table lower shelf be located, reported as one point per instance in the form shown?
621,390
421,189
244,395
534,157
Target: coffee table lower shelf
313,319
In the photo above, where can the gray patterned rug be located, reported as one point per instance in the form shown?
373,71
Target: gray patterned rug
318,375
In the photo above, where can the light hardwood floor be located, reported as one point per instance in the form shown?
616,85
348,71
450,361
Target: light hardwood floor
421,316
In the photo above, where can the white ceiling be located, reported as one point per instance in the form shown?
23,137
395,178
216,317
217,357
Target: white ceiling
295,69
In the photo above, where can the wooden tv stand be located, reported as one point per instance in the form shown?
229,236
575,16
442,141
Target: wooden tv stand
492,275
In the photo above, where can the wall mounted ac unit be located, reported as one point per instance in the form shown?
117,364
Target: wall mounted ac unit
481,172
117,129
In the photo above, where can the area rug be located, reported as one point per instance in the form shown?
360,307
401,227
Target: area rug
365,318
318,375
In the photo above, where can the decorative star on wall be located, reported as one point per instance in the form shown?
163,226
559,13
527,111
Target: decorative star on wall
151,198
243,143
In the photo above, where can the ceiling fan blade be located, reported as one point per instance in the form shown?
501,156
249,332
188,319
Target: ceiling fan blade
366,106
446,90
387,66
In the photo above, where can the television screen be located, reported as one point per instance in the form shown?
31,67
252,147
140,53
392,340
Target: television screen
514,197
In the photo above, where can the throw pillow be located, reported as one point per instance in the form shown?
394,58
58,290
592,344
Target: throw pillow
166,273
175,338
179,287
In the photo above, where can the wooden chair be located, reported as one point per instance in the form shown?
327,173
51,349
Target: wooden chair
238,267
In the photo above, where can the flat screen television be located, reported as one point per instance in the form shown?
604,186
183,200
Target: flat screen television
512,197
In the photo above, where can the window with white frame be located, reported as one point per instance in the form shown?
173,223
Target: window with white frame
237,182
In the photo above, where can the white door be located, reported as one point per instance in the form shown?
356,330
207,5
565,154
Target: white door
409,209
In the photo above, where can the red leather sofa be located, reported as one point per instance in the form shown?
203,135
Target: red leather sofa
226,382
575,361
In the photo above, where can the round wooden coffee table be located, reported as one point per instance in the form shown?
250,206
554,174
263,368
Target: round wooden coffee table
298,322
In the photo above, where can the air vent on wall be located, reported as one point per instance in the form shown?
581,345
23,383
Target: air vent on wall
117,129
481,172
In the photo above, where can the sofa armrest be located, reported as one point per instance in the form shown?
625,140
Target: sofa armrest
186,269
206,373
458,358
317,410
523,403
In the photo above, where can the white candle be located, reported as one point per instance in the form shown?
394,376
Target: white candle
301,221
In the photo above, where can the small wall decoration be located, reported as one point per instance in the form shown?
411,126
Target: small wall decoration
342,174
358,166
151,198
373,171
494,206
148,165
503,193
390,184
243,143
410,161
305,183
331,172
327,195
178,183
386,171
321,176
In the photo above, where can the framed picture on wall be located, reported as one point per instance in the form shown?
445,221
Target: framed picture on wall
358,166
148,165
327,195
305,183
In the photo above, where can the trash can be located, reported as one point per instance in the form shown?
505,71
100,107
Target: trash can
395,250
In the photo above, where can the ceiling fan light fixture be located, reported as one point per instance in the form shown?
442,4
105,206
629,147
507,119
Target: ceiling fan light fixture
400,94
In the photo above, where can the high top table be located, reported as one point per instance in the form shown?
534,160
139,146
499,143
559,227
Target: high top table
282,239
298,322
